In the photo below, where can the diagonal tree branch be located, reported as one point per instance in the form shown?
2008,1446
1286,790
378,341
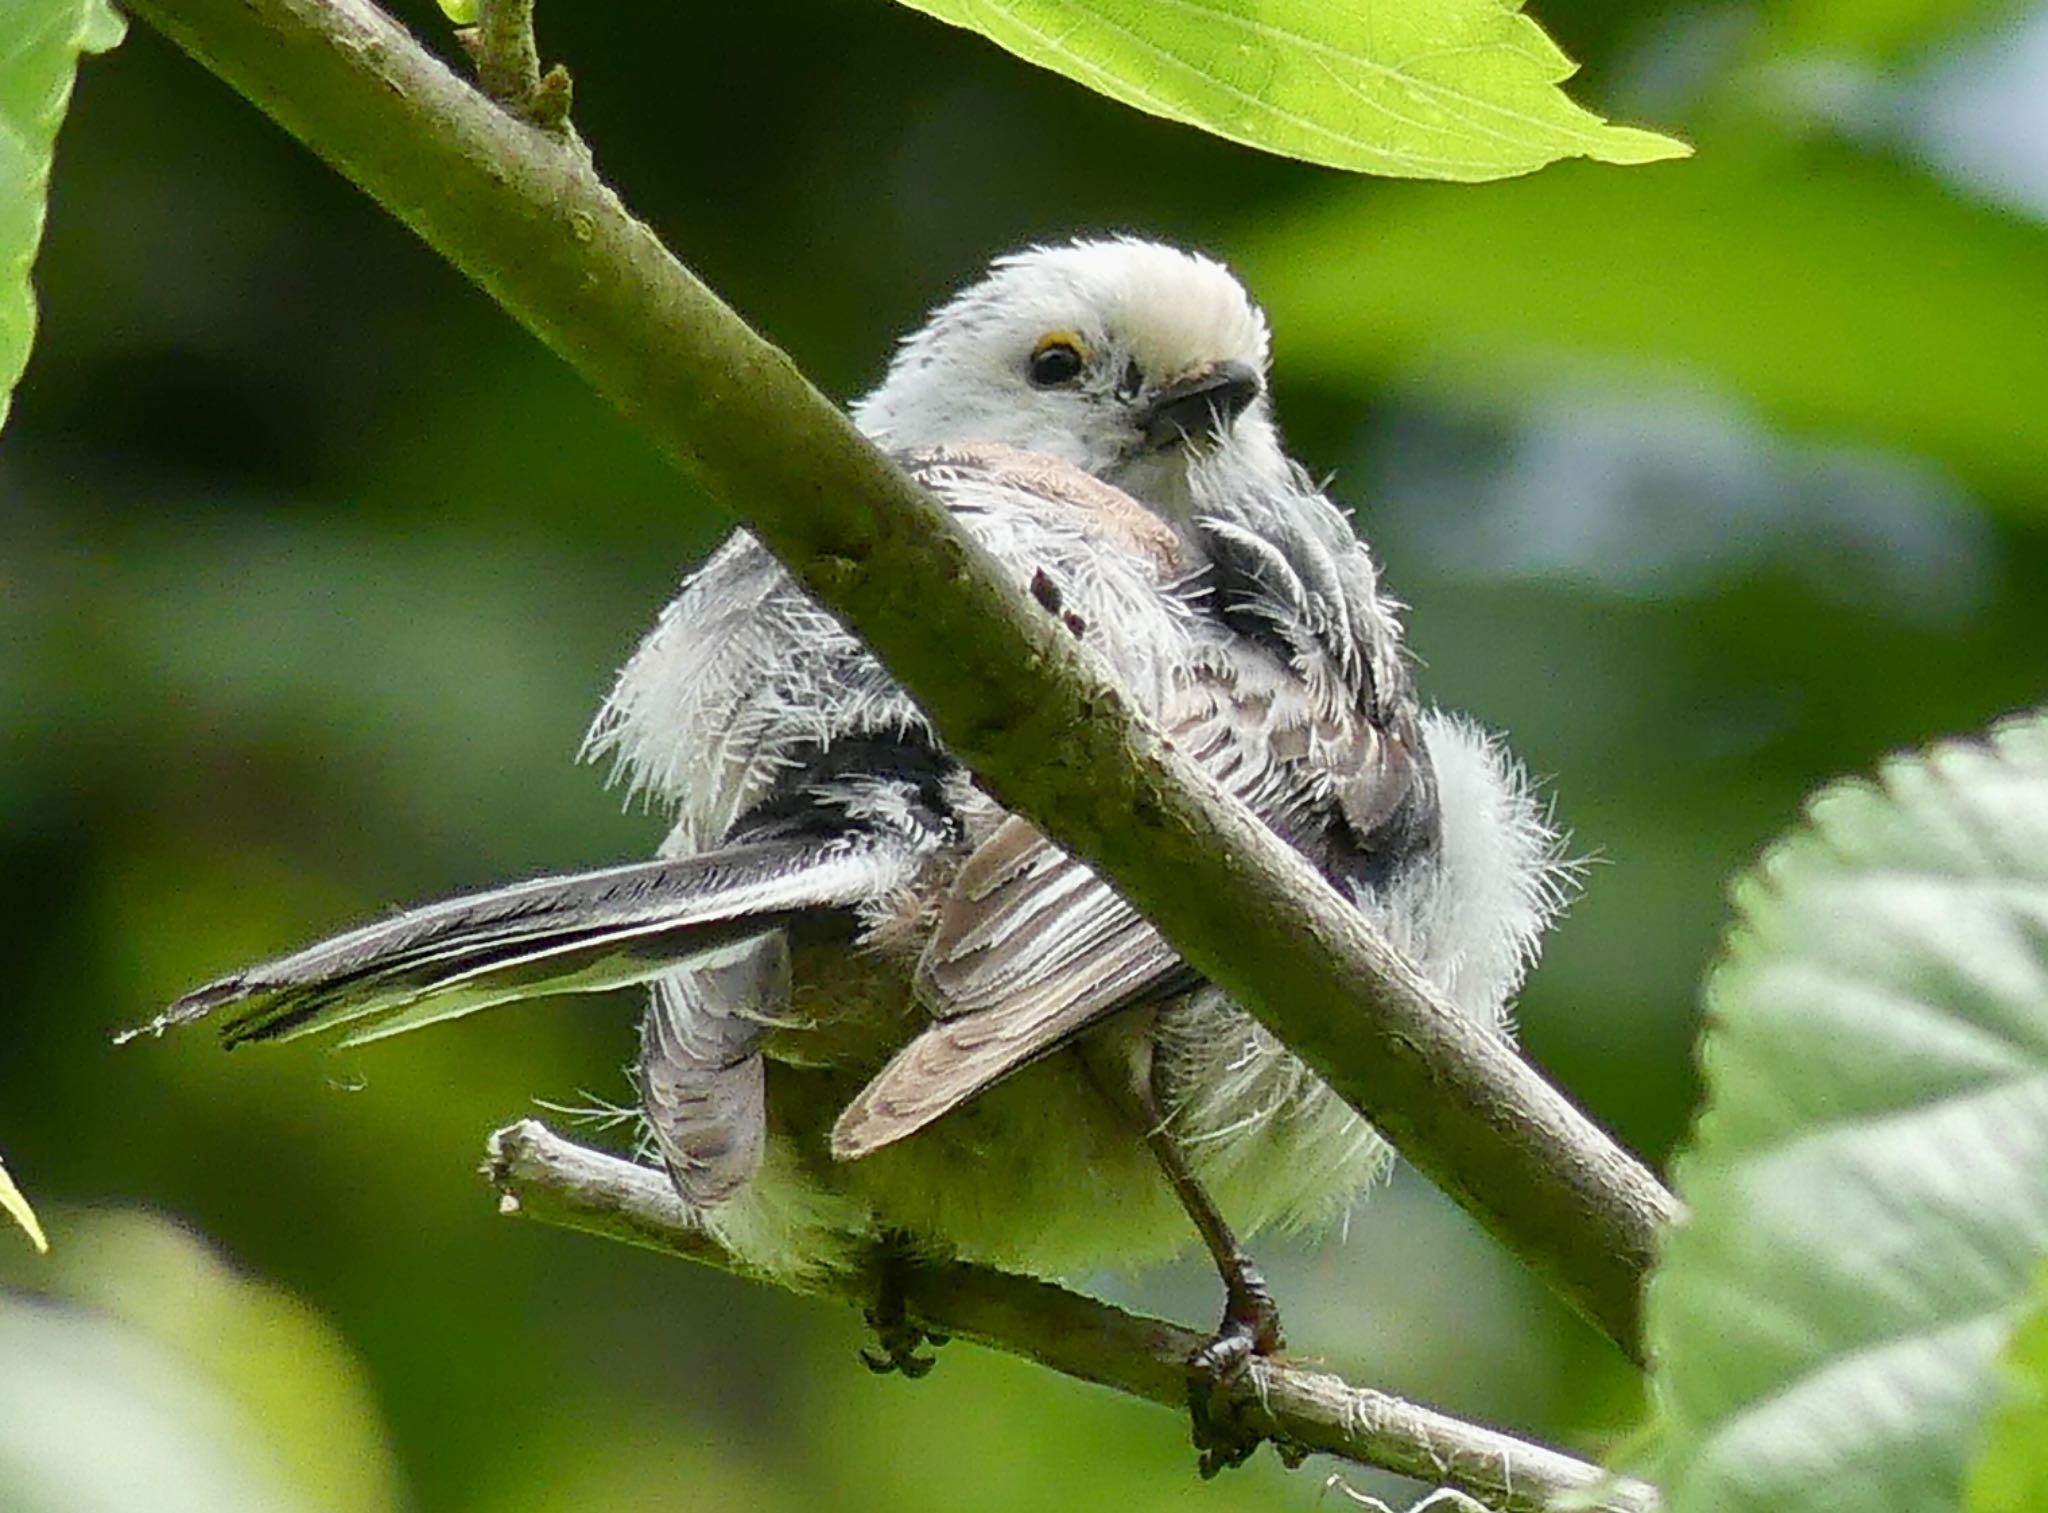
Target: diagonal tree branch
542,1176
524,214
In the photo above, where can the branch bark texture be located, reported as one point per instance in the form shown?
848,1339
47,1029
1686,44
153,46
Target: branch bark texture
524,214
541,1176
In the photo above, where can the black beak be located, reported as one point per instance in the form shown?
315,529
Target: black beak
1200,406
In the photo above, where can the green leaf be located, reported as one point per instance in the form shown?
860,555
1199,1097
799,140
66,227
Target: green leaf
15,1206
2011,1475
1868,1187
96,1419
1850,297
1420,89
40,41
143,1372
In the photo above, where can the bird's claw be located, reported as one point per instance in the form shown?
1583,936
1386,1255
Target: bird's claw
897,1347
1222,1438
1251,1326
898,1339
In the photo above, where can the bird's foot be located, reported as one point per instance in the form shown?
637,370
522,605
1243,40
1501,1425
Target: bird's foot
897,1347
1251,1326
899,1339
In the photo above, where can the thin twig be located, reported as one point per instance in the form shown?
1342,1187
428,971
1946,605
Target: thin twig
508,65
1015,697
541,1176
507,57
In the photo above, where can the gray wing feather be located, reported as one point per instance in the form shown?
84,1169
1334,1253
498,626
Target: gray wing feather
581,933
1114,960
1301,707
1030,948
1021,917
701,1080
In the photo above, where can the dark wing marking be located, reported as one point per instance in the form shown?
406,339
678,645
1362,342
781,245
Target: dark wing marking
1296,581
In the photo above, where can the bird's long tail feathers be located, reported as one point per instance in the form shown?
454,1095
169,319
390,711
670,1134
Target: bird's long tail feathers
576,934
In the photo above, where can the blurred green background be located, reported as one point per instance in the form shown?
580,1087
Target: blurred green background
1706,481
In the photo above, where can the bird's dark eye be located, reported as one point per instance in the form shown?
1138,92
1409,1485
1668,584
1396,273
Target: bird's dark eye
1054,361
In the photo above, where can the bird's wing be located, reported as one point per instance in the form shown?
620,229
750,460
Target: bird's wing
700,1078
1300,704
1031,947
1287,575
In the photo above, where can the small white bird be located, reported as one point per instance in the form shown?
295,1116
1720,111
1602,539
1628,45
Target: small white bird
884,1007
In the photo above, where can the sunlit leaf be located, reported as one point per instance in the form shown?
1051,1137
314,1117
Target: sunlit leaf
2011,1473
1868,1188
1425,89
1848,297
40,41
15,1206
95,1418
152,1375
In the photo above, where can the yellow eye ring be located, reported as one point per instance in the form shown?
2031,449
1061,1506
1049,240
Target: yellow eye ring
1056,360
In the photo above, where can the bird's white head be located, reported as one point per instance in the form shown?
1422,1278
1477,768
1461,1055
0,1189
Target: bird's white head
1131,359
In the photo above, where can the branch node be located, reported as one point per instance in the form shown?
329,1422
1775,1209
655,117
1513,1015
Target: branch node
508,66
548,106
